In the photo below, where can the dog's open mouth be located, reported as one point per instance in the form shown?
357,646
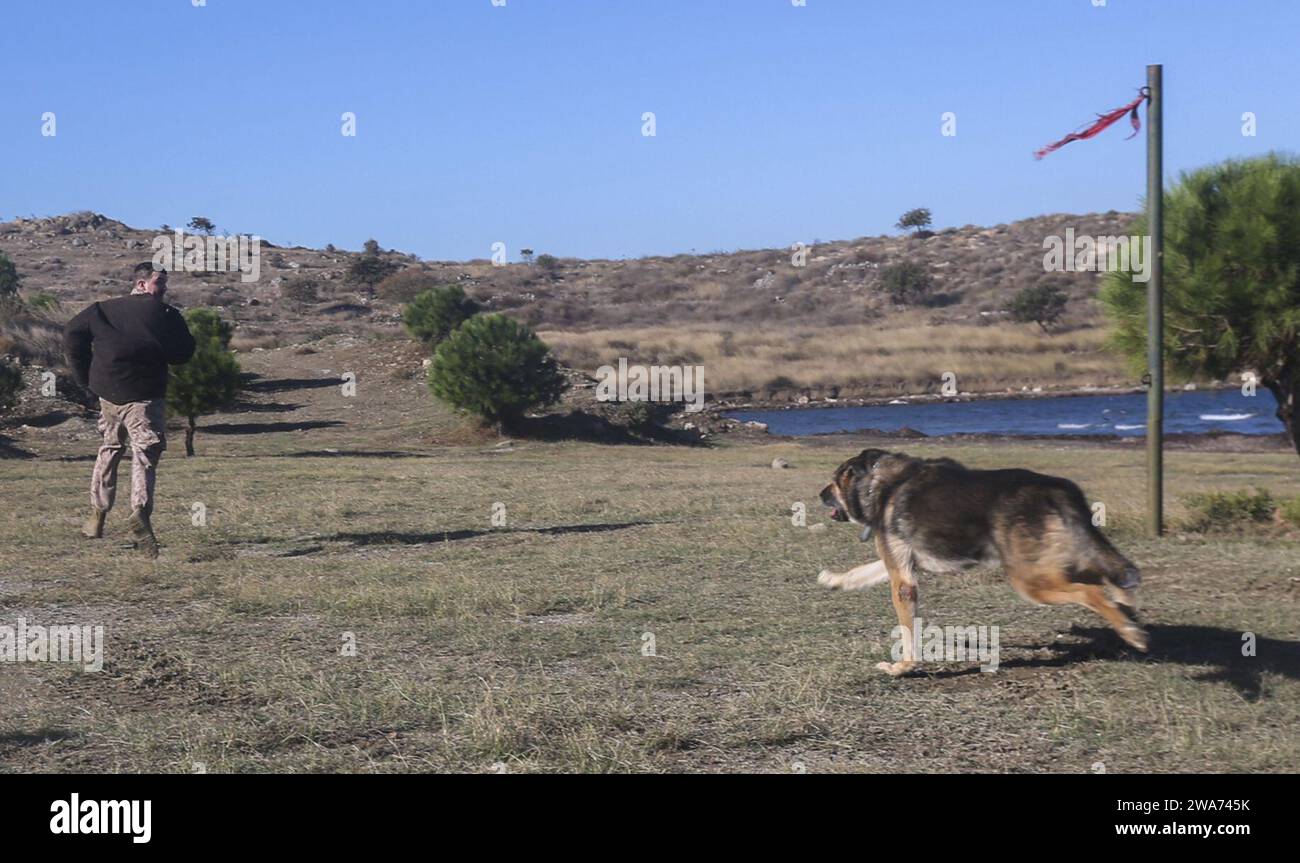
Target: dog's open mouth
837,514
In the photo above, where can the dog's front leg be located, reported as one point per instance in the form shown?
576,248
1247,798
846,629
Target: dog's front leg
902,589
857,578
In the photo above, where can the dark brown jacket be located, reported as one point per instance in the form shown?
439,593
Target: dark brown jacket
121,348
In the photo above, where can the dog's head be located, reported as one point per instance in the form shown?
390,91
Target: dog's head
856,489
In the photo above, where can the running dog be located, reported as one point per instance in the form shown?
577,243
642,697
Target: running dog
937,516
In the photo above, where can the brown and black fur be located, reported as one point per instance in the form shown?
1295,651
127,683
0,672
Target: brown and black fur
935,515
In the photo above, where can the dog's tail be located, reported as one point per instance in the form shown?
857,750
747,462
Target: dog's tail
1117,569
1095,552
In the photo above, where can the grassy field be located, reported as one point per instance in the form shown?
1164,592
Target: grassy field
521,647
905,356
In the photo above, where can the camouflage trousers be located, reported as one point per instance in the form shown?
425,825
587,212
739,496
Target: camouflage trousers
139,425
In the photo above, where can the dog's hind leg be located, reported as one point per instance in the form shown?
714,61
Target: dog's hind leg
857,578
1090,596
1126,597
902,589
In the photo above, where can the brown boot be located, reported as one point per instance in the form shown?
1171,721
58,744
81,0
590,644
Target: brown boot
142,533
94,526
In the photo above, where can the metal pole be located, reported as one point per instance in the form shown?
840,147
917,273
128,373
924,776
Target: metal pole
1155,307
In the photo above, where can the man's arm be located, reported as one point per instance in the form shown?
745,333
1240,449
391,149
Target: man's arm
179,346
77,340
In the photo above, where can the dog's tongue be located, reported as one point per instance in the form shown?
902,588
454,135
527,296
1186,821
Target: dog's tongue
837,515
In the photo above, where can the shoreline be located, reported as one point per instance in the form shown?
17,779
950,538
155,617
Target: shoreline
732,402
721,419
1213,441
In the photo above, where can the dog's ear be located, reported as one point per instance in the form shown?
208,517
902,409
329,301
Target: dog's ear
872,489
863,465
866,460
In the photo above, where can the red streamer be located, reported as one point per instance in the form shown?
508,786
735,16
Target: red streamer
1103,122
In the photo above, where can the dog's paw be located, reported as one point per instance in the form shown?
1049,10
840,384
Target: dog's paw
895,669
1136,637
826,578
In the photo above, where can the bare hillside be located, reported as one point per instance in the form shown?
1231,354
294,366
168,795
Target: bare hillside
756,321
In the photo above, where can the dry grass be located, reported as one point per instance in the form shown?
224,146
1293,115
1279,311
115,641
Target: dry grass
906,356
504,648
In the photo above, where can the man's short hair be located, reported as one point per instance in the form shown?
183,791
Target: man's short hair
143,271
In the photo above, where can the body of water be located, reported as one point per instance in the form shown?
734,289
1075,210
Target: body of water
1125,415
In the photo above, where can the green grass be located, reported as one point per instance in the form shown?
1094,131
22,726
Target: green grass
1226,510
516,648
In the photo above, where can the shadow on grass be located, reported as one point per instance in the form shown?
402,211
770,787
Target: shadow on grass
9,450
257,384
388,537
1220,649
21,739
590,428
47,419
354,453
246,407
263,428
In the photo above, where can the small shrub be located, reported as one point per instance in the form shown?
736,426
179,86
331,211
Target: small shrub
1229,510
369,269
405,285
43,301
8,277
11,381
1290,510
435,313
304,290
778,383
497,368
549,264
638,416
906,282
1040,304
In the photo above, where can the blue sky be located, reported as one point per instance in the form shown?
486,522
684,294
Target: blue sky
522,124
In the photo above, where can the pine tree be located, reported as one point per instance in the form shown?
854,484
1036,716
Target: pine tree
434,313
1231,279
210,380
497,368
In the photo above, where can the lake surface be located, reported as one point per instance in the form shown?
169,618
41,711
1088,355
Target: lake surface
1124,415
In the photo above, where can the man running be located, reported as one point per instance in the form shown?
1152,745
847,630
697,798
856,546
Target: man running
120,349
